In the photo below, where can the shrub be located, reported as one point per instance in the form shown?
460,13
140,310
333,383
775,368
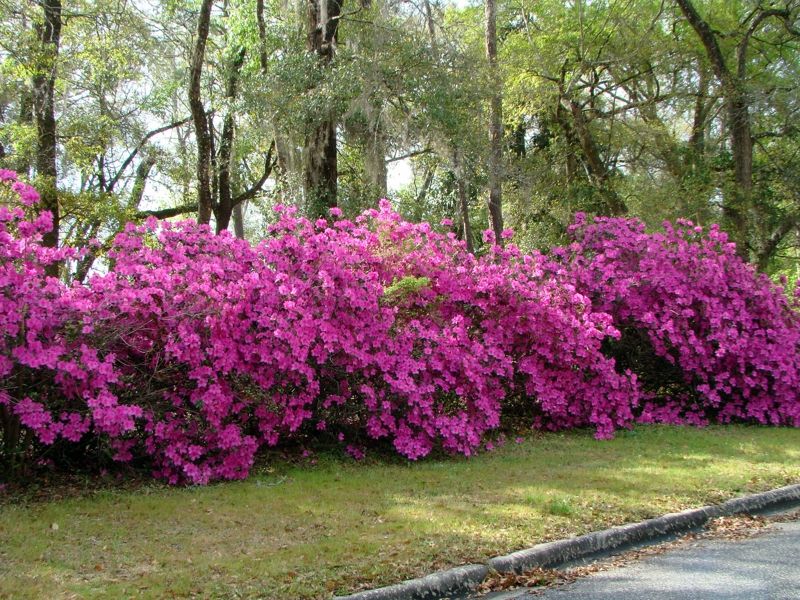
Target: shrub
196,350
682,295
53,385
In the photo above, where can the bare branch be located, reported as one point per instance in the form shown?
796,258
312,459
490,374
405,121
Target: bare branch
147,137
269,164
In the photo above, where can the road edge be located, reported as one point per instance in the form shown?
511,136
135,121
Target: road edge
463,579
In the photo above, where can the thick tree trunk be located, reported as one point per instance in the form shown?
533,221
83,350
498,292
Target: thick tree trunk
321,170
495,125
238,221
200,118
320,153
44,79
697,141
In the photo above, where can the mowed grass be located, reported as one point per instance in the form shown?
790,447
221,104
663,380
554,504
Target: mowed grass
340,526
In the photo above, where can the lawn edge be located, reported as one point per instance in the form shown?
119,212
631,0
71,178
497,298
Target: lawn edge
463,579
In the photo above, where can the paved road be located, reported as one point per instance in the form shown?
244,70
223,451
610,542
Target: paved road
763,567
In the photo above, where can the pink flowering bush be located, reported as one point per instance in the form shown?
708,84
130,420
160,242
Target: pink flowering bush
195,350
690,306
53,385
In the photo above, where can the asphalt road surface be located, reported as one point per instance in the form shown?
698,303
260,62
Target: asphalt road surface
766,566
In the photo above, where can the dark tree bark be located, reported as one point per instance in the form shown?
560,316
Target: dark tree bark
320,154
225,205
697,141
44,79
517,142
262,36
495,125
200,117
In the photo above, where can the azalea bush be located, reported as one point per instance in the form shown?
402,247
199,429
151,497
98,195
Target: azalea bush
376,328
194,350
711,339
53,384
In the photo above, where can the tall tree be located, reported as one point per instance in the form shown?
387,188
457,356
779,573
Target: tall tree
495,124
320,151
199,115
44,82
732,75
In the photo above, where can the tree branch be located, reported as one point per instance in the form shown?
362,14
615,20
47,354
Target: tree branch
741,50
147,137
409,155
269,164
166,213
708,39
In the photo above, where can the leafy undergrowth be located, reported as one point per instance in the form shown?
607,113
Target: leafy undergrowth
333,526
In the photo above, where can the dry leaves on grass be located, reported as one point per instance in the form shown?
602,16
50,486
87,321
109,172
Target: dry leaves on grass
735,527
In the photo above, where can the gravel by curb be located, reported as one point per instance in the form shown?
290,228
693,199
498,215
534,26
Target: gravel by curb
458,581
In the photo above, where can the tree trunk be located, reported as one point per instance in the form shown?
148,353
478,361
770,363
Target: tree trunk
598,171
320,155
463,200
44,79
375,158
238,221
697,141
495,125
517,145
200,118
140,181
431,25
225,207
738,203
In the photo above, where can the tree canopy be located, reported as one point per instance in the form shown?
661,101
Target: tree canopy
502,113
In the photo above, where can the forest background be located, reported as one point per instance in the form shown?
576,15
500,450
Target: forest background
502,114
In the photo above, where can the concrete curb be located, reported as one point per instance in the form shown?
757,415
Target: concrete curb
461,580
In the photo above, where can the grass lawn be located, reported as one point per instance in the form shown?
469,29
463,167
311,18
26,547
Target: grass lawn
338,526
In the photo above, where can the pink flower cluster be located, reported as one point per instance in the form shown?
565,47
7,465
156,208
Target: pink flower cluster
196,350
731,334
50,379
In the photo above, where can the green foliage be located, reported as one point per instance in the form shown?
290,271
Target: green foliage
601,101
403,288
